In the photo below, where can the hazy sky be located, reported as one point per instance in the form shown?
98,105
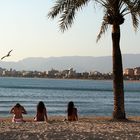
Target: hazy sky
25,28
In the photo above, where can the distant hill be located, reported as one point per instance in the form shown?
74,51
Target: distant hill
79,63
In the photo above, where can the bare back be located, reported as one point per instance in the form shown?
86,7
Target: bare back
41,116
17,111
73,116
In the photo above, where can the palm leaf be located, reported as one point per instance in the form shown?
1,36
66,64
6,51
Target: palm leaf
67,9
62,5
59,6
138,8
67,18
103,29
135,20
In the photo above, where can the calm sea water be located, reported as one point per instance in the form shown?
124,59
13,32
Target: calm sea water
91,97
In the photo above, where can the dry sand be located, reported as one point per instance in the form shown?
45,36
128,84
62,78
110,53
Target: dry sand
87,128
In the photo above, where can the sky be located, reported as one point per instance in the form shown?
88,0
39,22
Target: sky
25,28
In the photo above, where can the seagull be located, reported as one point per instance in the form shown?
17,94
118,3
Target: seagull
7,54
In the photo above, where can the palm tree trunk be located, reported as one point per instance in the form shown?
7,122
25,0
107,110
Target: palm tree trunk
118,87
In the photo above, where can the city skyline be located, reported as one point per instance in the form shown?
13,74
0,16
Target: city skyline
26,29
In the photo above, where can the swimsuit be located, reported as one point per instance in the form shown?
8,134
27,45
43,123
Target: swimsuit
19,120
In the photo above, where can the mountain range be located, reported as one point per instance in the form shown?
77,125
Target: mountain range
78,63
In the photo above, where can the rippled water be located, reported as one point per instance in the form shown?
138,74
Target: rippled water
91,97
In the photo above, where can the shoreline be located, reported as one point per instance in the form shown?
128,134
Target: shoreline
86,128
69,78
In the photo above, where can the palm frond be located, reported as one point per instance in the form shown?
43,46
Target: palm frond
133,8
103,29
59,6
130,6
135,20
115,10
67,10
102,2
67,18
124,11
138,8
121,4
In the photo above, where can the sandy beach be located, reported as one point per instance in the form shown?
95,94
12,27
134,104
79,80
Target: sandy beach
86,128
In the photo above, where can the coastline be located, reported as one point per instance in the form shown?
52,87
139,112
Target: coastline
86,128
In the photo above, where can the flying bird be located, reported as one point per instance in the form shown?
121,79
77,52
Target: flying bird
7,55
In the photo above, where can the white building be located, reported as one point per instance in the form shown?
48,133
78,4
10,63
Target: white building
129,71
137,71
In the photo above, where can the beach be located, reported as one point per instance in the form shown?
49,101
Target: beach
86,128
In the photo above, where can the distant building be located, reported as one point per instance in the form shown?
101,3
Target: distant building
129,71
53,73
64,73
1,71
95,73
25,73
71,73
85,74
137,71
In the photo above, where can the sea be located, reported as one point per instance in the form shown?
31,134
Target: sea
91,97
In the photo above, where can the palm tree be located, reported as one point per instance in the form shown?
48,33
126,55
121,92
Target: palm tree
114,13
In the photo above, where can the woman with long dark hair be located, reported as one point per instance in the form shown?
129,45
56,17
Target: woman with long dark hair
41,114
72,112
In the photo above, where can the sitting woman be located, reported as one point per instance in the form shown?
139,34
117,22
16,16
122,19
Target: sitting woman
18,110
41,114
72,112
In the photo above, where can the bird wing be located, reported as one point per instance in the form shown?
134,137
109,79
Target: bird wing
9,52
3,57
